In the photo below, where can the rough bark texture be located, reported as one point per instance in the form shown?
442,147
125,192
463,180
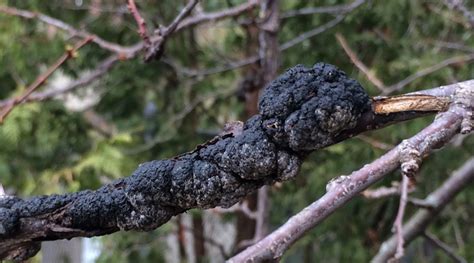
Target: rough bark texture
303,110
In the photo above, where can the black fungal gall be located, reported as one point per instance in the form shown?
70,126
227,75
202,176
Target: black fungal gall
303,110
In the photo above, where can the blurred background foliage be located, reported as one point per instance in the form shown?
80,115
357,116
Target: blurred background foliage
157,111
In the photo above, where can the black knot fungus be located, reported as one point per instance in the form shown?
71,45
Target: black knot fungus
306,108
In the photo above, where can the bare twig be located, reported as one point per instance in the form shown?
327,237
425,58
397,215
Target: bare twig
219,15
422,203
344,188
250,60
311,33
459,6
375,143
419,222
335,9
70,53
453,45
426,71
161,35
398,224
142,30
98,72
183,14
239,207
359,64
444,247
383,191
125,51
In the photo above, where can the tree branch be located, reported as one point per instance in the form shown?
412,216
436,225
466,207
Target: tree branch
444,247
326,107
126,51
219,15
418,223
98,72
344,188
70,53
142,30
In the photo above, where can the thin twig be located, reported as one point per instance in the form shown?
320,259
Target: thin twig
88,78
375,143
70,53
183,14
459,6
417,224
126,51
239,207
335,9
444,247
383,191
250,60
311,33
142,30
359,64
161,35
399,219
216,16
426,71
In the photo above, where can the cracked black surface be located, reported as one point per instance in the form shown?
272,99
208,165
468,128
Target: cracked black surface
301,111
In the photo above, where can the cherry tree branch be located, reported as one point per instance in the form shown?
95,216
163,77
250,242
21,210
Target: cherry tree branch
218,15
102,69
342,189
359,64
142,30
444,247
418,223
68,28
335,9
70,53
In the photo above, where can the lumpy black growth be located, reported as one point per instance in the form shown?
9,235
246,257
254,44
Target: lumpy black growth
301,111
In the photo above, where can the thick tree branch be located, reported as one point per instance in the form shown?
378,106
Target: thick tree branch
303,110
344,188
418,223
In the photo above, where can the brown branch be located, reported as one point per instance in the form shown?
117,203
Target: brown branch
444,247
126,51
156,48
70,53
98,72
335,10
142,30
217,16
341,190
418,223
359,64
